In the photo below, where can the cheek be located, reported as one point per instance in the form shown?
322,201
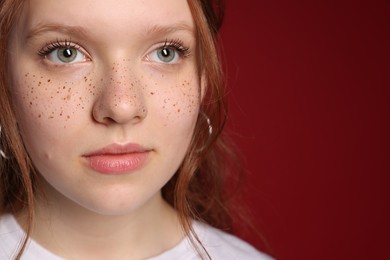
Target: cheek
178,100
46,101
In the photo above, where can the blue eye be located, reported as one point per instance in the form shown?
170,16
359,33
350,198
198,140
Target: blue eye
164,55
63,53
66,55
171,52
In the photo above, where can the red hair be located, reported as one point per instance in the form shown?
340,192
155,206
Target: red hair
197,190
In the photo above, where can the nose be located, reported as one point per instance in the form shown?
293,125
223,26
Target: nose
120,100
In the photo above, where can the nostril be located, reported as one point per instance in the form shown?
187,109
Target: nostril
109,108
107,121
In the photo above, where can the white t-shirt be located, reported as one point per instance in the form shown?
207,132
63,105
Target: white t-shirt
218,244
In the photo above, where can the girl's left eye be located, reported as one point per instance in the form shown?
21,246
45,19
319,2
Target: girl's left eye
66,55
170,53
164,55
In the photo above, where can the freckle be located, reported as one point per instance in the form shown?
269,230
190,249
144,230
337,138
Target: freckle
39,116
178,110
151,93
68,117
50,117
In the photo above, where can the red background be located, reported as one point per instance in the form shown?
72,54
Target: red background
309,96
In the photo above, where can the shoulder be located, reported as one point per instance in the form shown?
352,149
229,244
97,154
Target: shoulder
221,245
10,236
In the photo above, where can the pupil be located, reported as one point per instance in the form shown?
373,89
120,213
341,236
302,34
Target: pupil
67,53
165,52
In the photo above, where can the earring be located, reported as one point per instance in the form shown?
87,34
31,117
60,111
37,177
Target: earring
210,128
2,154
208,123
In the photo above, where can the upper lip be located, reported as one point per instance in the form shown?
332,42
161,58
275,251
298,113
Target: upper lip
118,149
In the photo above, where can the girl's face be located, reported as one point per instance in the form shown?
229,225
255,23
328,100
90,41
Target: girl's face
106,95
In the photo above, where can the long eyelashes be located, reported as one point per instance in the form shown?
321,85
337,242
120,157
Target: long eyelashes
175,44
178,45
57,44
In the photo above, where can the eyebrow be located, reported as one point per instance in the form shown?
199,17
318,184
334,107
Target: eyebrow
65,29
80,31
166,29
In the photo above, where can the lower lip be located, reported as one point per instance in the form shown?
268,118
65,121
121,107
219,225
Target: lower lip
112,164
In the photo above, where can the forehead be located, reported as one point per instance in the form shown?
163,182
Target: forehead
113,17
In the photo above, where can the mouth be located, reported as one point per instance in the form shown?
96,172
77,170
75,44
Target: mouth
118,159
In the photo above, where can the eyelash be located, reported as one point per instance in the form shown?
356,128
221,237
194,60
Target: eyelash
176,44
57,44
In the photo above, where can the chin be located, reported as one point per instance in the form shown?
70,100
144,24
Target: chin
120,205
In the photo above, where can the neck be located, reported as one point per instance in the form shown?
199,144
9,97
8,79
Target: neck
71,231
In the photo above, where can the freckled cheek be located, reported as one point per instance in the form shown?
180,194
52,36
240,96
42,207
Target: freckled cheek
179,102
46,100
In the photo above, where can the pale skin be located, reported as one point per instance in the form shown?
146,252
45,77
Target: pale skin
117,91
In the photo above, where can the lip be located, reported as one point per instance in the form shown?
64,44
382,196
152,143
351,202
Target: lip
118,159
